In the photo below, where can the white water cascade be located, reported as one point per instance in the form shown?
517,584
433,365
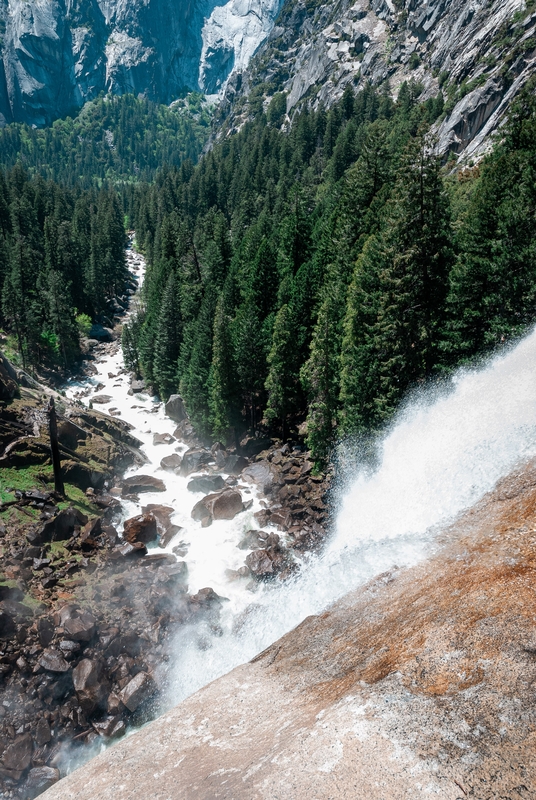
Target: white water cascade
441,454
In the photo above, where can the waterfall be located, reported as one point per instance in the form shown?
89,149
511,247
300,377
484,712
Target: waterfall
445,449
442,453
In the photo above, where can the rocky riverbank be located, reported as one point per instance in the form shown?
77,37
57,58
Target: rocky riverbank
419,684
90,602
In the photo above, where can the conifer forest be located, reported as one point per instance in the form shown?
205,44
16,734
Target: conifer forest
301,277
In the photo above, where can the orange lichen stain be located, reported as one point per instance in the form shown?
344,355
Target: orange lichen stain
477,592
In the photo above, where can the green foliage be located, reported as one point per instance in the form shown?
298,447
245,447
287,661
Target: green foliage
60,250
319,273
114,139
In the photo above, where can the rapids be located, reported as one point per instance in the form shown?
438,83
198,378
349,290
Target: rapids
445,450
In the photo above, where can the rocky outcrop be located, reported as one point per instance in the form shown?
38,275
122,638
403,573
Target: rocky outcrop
57,54
479,55
420,683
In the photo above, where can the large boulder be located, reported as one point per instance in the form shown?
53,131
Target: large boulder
175,408
235,464
143,483
39,780
260,474
194,459
80,628
251,446
224,505
142,528
140,688
89,685
171,463
206,484
101,333
268,562
59,528
18,754
53,661
163,438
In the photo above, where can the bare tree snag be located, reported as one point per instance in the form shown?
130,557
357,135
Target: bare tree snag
54,447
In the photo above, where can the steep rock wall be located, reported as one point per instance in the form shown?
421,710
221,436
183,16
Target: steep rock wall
57,54
480,54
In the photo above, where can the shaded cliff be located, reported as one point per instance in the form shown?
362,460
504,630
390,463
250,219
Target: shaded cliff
57,54
420,683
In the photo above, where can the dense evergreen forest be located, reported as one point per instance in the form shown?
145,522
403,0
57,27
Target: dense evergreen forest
113,139
311,273
317,274
62,262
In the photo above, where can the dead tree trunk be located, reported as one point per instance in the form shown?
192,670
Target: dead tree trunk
54,447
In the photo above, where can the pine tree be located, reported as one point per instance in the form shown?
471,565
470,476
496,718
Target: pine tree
282,381
167,341
320,374
396,303
222,378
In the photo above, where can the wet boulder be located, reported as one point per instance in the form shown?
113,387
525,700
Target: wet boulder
224,505
136,387
90,685
270,561
260,474
163,438
140,688
102,399
142,528
143,483
253,540
53,661
194,459
227,504
234,464
171,463
175,408
206,484
131,550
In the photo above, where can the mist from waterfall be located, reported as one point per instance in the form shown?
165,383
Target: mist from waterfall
443,452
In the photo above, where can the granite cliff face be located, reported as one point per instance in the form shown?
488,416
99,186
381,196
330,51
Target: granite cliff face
57,54
478,53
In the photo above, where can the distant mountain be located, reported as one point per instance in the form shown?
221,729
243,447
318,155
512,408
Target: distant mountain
57,54
479,54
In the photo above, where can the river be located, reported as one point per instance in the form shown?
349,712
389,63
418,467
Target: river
444,451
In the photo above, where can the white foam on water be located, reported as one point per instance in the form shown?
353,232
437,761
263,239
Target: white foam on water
442,453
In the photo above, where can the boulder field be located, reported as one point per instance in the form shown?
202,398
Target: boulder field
419,684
